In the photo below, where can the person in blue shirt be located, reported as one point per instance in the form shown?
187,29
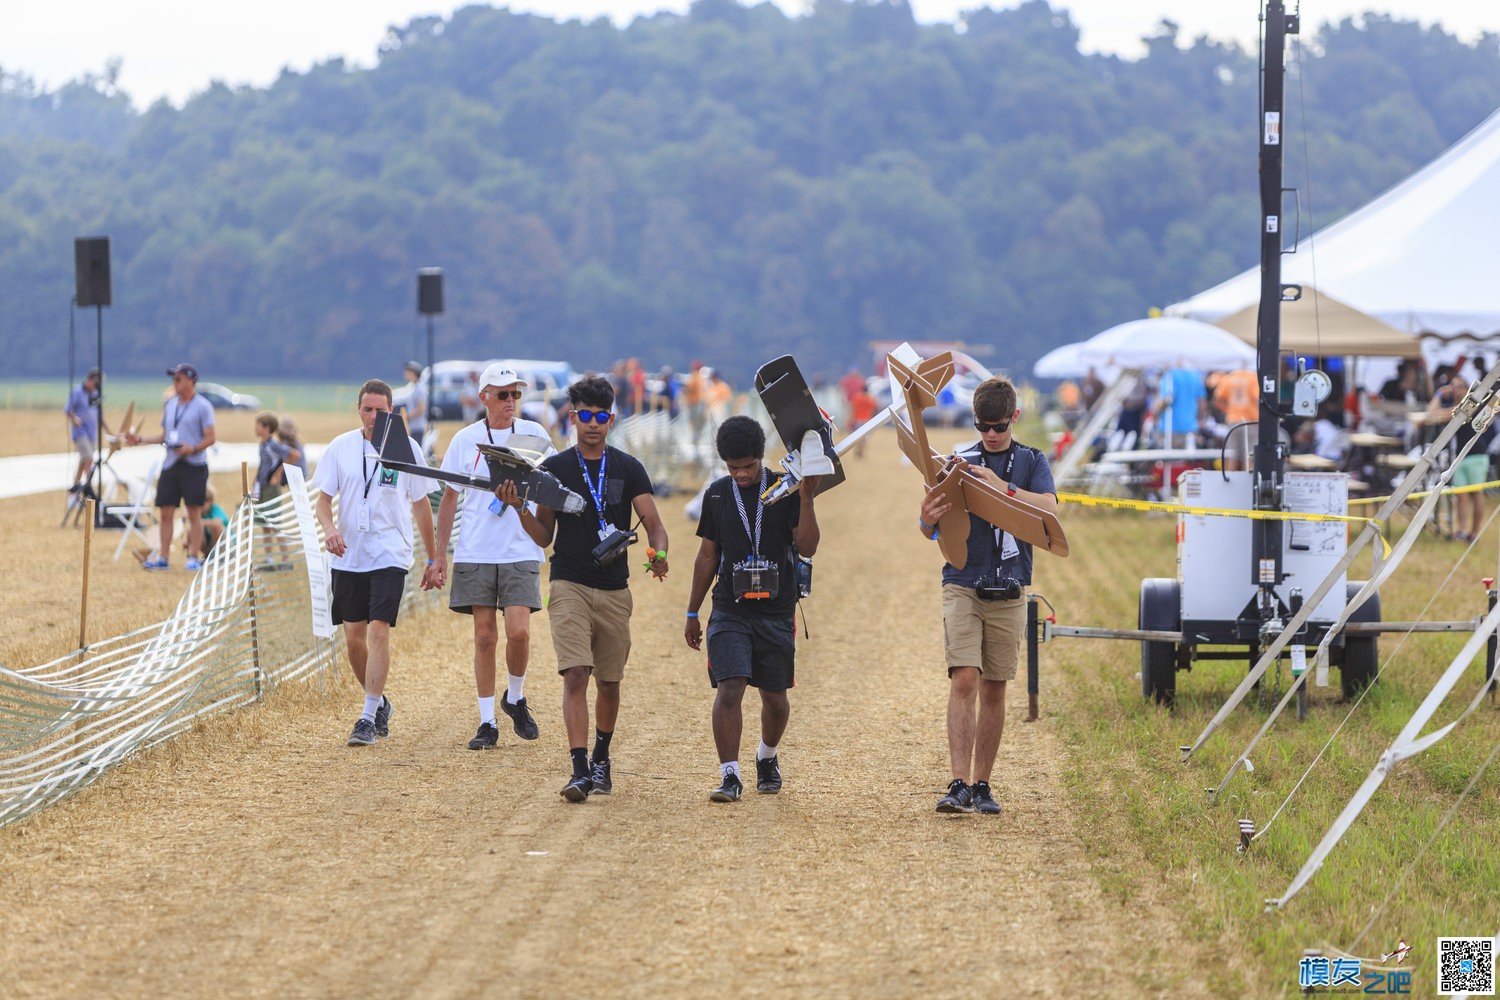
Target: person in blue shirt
1184,405
83,422
984,604
187,432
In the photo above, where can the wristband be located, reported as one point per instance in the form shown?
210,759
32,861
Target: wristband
692,614
924,525
429,562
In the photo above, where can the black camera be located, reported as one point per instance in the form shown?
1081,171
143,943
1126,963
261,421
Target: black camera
612,546
991,588
756,579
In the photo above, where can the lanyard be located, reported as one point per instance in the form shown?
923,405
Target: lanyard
1010,463
176,423
760,509
364,468
595,491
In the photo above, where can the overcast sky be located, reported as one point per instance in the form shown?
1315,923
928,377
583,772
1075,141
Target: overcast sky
175,48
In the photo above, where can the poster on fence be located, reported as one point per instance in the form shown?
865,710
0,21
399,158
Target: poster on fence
317,559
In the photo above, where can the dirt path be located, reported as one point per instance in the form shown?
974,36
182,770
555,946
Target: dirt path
260,857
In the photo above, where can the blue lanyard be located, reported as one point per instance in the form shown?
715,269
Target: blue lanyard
597,492
760,509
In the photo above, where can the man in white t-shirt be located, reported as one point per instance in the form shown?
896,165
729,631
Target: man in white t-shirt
496,565
372,550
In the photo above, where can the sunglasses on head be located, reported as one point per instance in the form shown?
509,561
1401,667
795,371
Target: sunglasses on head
999,428
507,394
593,416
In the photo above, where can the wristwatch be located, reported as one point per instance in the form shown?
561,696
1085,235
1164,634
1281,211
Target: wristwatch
1010,489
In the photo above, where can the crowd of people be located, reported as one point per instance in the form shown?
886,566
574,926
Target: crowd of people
748,569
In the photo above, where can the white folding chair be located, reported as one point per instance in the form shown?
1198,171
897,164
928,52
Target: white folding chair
136,510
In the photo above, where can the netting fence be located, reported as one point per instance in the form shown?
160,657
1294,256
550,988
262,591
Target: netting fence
243,627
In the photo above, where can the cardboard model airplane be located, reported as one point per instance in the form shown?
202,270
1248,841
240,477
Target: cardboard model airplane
126,430
965,487
517,460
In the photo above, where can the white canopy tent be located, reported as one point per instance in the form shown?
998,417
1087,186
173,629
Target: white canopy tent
1166,342
1418,258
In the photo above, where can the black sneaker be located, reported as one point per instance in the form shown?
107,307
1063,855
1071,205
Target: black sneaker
768,775
729,791
520,717
486,738
600,777
983,801
383,718
363,735
960,798
578,789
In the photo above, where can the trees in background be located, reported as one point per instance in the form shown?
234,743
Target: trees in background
728,184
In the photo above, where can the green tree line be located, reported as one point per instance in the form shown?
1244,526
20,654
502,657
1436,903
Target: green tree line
729,184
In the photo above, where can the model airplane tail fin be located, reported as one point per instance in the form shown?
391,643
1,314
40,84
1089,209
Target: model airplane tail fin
391,440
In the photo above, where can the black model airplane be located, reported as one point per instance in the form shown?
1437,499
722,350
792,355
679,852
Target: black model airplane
516,460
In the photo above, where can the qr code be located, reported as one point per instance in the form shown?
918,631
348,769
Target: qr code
1466,965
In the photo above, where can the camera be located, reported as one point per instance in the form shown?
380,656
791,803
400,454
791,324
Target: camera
992,588
756,579
804,576
612,546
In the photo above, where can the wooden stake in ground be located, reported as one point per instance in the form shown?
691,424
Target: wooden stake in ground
88,541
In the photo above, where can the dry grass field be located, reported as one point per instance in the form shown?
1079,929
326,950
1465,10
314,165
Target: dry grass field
260,856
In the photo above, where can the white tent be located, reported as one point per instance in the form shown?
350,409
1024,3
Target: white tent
1419,258
1166,342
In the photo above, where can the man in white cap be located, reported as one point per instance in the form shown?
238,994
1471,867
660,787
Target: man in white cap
496,565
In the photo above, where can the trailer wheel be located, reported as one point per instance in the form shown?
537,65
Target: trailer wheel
1361,660
1160,610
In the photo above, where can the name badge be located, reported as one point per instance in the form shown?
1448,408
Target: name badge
363,519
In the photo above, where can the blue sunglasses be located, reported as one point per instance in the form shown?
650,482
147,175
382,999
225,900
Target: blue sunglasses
593,416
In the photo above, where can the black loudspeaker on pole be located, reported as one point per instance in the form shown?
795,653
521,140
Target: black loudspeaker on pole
91,277
430,291
91,270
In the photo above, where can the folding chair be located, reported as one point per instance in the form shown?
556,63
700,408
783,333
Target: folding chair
137,510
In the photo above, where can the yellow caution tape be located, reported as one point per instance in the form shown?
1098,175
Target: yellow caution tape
1476,488
1085,500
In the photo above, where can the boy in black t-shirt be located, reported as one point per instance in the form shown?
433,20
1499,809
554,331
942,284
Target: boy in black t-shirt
589,605
752,633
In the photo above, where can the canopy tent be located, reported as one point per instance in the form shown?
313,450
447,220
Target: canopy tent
1418,258
1321,325
1166,342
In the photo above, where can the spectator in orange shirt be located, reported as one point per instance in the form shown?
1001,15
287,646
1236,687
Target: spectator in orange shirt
1237,396
861,409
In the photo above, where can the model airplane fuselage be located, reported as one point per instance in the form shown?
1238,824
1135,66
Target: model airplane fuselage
516,461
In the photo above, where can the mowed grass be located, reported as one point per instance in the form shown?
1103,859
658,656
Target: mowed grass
1389,879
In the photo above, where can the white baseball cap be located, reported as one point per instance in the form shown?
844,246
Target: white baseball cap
500,376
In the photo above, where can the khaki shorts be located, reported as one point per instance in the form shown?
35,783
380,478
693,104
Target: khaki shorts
983,634
590,628
496,585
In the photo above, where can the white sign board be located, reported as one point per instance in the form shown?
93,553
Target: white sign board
317,558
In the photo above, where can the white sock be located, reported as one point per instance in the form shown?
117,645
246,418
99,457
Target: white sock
487,710
372,702
513,687
764,752
729,767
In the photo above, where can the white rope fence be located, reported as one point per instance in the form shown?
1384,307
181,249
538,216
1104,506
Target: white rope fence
243,627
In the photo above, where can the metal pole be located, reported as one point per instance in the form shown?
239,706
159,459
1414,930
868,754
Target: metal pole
98,475
1265,564
83,604
1033,627
1489,646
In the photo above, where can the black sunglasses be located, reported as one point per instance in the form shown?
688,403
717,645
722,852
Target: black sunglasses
984,428
504,394
593,416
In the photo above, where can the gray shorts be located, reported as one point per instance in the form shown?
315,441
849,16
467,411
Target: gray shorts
85,449
496,585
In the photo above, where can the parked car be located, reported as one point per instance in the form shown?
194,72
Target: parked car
224,398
